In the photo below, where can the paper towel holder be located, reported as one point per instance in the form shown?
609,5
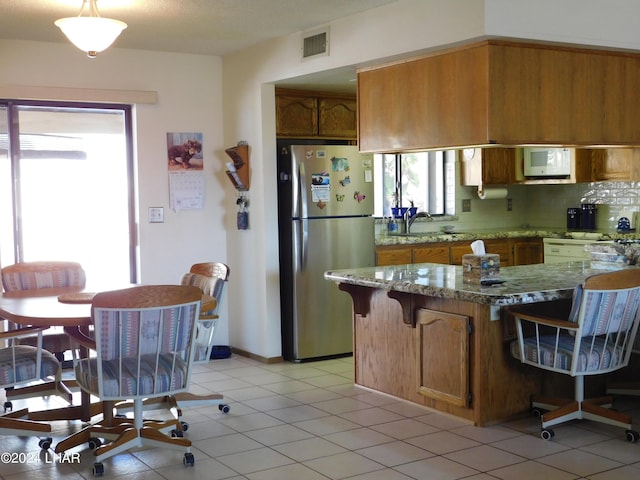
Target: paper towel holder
492,193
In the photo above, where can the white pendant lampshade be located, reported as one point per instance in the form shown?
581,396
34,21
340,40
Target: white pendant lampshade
93,33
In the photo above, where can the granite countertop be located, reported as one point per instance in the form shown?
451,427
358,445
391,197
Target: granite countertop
488,234
522,284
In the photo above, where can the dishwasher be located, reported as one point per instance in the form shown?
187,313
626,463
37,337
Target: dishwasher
559,250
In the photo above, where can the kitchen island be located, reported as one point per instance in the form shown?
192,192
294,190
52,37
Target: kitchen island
423,334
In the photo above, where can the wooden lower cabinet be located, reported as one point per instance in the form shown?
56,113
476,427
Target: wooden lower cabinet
443,356
400,255
393,256
512,251
431,254
528,251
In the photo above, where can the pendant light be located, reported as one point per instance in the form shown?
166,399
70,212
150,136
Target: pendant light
91,33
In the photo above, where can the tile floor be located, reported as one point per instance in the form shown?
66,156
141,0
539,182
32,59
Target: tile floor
309,422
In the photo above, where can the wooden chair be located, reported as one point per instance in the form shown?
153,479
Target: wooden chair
38,278
594,338
143,348
19,365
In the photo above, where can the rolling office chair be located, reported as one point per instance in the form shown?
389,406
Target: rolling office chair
595,337
19,365
143,348
36,276
211,279
39,278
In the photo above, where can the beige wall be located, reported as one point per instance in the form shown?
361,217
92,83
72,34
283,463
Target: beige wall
189,93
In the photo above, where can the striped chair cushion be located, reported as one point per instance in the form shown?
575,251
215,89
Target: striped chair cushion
590,359
126,379
37,275
24,368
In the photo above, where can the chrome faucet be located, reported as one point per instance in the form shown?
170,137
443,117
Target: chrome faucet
408,219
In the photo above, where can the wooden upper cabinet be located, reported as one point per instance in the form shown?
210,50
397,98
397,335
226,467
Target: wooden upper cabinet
488,166
337,117
296,115
311,114
501,92
424,103
615,164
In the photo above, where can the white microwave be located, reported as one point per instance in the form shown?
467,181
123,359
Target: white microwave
547,162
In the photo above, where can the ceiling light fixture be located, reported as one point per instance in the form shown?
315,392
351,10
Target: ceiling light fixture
92,33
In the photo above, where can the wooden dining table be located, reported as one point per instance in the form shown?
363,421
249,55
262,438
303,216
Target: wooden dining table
68,307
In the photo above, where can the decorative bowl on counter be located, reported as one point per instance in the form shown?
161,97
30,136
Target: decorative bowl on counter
617,253
448,228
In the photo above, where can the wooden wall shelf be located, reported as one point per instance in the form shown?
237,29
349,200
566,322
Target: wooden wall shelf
240,157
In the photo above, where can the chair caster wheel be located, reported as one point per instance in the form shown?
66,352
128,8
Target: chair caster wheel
177,433
632,436
45,443
8,406
547,434
185,426
98,469
94,443
224,408
188,460
536,412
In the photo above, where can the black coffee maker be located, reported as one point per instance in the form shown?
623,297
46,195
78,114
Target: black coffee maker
588,216
573,218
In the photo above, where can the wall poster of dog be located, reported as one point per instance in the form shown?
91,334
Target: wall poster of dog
184,151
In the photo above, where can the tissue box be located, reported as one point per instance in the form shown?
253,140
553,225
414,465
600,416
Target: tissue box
476,268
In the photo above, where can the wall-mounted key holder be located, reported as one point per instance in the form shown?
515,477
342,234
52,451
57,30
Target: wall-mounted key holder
243,214
238,169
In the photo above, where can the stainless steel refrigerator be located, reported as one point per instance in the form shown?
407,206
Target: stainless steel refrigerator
325,201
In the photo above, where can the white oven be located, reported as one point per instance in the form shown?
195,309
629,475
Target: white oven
559,250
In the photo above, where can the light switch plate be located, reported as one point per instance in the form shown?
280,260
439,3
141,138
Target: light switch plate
156,214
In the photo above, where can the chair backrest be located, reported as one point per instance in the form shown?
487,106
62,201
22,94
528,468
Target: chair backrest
39,275
608,317
211,278
144,338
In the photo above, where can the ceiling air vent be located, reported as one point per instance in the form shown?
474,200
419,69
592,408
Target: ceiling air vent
315,43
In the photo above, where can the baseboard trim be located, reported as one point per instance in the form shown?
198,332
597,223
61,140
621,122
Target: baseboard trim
258,358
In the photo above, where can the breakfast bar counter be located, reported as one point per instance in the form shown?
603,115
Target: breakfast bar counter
424,334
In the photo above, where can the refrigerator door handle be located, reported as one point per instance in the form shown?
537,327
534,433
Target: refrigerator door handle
304,222
304,243
302,191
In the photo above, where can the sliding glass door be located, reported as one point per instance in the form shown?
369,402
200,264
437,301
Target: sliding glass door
66,186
